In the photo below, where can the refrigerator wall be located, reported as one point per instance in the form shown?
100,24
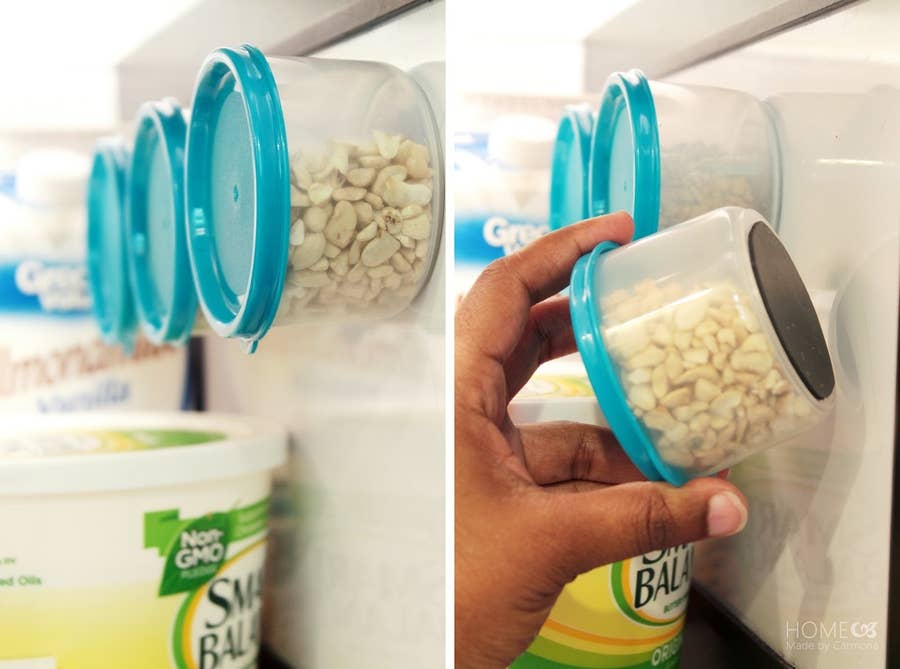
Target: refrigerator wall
810,574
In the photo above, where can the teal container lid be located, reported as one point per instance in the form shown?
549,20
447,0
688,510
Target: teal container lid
587,320
624,170
569,170
238,193
113,304
156,236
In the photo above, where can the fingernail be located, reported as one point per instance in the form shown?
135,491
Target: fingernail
725,515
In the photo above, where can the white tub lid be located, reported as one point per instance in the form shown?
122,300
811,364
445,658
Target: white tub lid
558,390
77,453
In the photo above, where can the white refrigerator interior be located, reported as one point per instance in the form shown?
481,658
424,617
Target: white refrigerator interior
357,576
809,575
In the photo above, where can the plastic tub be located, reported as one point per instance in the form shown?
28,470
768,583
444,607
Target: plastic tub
569,200
314,188
111,296
156,233
666,153
134,540
701,343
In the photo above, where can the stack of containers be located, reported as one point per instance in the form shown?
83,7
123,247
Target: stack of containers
701,341
265,209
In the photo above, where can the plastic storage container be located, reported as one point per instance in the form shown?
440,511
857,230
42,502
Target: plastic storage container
156,239
569,201
151,542
111,295
314,187
701,343
428,308
666,153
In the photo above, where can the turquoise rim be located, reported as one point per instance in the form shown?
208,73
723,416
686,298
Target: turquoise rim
627,98
571,153
586,323
112,302
165,318
245,312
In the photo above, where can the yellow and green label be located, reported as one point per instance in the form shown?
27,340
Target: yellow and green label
147,578
96,442
628,615
217,625
541,386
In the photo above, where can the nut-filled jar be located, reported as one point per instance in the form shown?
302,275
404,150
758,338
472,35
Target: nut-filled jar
156,238
314,188
666,153
701,343
569,168
112,300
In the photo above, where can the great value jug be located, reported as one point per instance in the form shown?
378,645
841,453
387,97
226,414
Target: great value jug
500,192
52,358
134,540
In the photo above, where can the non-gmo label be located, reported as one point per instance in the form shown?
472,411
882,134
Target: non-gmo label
217,626
197,554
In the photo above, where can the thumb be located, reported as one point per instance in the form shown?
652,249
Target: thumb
629,519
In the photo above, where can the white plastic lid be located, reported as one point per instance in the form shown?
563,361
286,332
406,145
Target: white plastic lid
52,178
522,141
558,390
88,452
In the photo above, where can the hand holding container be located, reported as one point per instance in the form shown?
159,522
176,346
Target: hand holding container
701,343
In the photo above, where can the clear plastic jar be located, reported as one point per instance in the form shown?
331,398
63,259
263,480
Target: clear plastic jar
112,300
666,153
701,343
156,239
569,201
314,188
